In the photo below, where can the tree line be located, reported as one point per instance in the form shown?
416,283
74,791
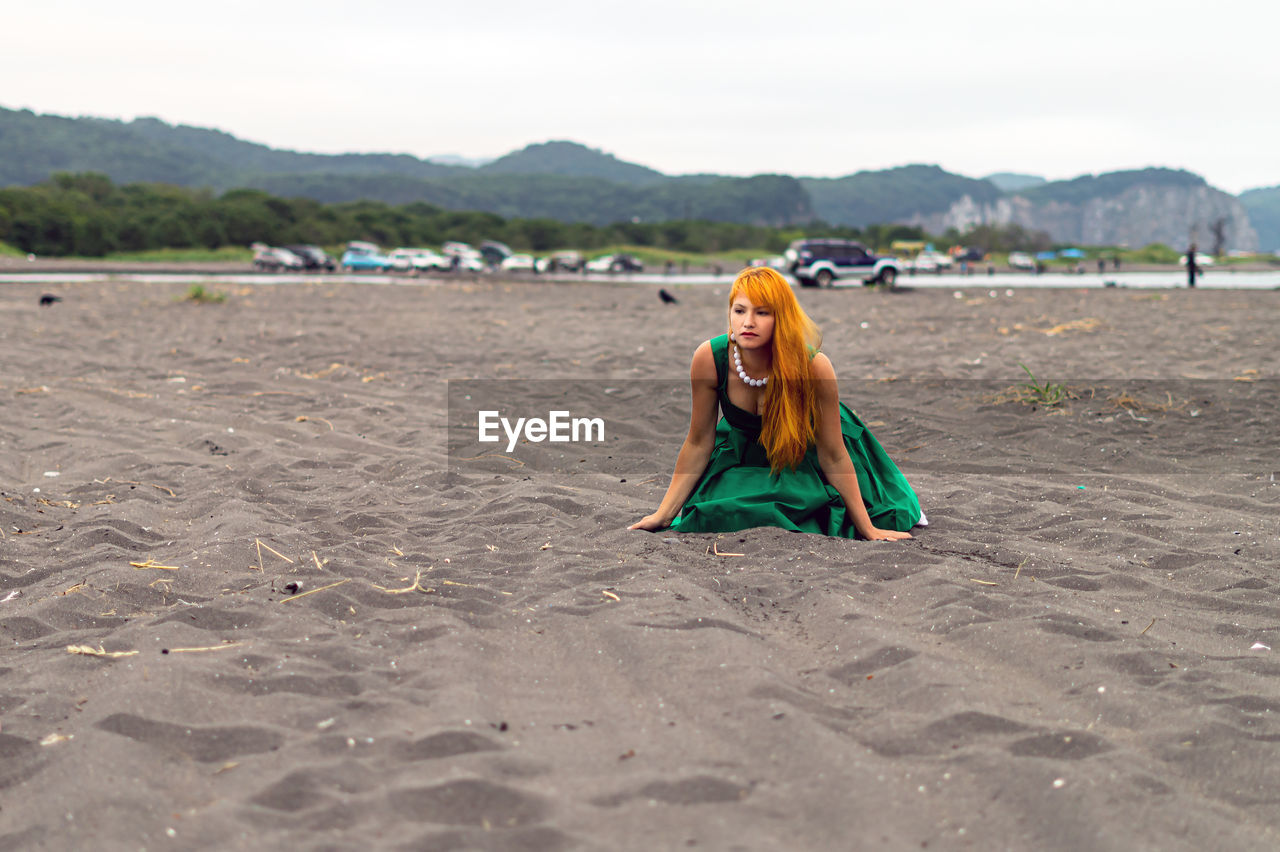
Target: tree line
87,215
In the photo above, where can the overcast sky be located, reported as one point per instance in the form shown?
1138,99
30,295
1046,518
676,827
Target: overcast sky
805,87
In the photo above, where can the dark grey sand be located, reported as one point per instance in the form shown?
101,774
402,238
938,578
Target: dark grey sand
1072,656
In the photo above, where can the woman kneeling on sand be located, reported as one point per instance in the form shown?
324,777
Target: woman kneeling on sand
787,453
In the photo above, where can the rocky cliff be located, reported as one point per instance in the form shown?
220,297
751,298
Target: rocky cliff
1137,216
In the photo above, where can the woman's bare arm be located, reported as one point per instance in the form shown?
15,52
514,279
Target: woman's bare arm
834,458
698,444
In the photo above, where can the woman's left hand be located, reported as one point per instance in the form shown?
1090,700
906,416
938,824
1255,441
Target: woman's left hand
886,535
652,523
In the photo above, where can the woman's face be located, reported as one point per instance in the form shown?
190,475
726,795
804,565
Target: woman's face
752,325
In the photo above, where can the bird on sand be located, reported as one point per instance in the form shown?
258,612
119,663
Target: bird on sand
667,298
48,299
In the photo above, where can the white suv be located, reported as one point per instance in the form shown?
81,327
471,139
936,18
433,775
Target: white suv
820,263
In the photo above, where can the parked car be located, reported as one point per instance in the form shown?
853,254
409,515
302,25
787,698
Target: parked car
468,262
494,252
1021,260
462,257
969,255
270,259
401,259
517,263
417,260
615,263
822,262
931,261
313,257
426,260
363,256
561,261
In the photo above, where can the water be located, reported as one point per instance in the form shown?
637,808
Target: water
1211,280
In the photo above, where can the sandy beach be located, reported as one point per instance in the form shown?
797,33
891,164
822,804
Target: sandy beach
256,590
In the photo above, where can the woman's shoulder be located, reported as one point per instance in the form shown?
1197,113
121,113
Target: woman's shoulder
716,347
704,361
710,346
820,366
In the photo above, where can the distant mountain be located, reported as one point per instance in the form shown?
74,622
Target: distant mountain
1012,182
1087,187
1132,208
1263,206
893,194
571,159
774,200
573,183
146,149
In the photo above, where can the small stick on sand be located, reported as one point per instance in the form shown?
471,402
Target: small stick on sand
99,651
207,648
983,582
302,418
1148,627
715,548
611,595
1020,564
151,563
313,591
415,586
452,583
272,550
316,559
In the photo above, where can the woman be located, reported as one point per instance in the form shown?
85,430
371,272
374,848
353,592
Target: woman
787,452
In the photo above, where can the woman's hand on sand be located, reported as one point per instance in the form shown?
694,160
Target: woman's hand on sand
651,523
886,535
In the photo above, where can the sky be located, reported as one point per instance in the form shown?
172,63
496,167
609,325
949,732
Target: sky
814,88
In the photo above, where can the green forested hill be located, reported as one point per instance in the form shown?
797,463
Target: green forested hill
560,180
570,159
1263,206
893,194
764,200
32,147
1107,185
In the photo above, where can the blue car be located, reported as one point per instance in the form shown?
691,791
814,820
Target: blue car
363,256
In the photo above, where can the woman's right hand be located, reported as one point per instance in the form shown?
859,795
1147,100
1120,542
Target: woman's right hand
651,523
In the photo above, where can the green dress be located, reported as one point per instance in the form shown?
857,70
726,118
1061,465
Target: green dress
738,491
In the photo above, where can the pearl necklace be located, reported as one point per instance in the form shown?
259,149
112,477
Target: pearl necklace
742,374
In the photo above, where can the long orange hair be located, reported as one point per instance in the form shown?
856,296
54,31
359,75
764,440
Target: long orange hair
790,402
